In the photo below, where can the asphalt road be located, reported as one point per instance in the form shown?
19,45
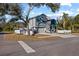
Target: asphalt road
58,47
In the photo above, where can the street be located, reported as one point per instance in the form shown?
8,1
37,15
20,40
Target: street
58,47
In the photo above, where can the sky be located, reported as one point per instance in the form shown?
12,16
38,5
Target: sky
70,8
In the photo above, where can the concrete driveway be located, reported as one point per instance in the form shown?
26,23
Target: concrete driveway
58,47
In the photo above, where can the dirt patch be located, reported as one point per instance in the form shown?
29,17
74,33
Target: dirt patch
17,37
76,34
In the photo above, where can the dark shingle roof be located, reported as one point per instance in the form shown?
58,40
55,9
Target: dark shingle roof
42,15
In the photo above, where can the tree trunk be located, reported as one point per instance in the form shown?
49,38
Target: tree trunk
27,19
64,24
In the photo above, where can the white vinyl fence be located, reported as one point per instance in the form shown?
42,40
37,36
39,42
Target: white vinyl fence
23,32
63,31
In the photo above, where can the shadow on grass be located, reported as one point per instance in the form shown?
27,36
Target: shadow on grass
2,33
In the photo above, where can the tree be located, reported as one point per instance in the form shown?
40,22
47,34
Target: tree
12,9
71,18
2,23
60,24
15,9
66,21
53,6
76,23
76,19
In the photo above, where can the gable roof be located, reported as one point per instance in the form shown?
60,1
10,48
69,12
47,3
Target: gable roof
42,15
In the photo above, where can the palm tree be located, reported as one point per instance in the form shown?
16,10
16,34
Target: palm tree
65,18
67,22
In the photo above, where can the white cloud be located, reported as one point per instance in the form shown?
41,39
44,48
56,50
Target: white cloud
60,13
66,4
68,12
55,14
77,10
49,14
32,12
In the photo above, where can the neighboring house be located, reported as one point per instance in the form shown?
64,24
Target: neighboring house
41,22
19,25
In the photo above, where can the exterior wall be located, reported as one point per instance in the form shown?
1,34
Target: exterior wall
41,23
32,23
48,26
41,30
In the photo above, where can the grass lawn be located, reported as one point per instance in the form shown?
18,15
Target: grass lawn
17,37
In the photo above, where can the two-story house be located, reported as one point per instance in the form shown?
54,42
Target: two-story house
41,23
